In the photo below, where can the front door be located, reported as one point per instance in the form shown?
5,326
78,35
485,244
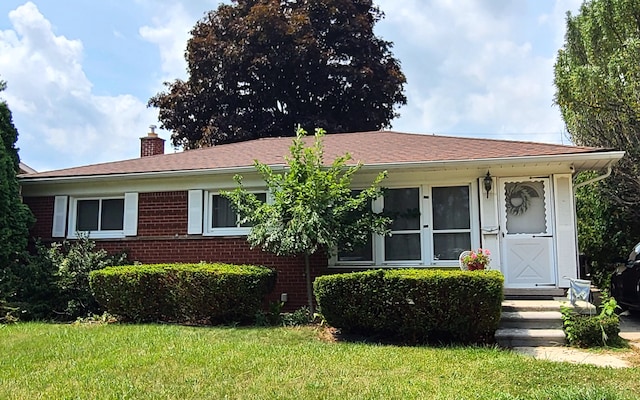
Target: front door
527,232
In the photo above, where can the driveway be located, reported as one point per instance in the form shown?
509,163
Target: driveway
630,326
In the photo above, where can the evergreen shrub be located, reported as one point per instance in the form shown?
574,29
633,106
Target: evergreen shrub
183,293
414,305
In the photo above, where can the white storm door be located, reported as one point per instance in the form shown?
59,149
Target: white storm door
527,233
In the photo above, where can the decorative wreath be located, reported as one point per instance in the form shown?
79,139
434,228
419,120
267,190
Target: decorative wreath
518,199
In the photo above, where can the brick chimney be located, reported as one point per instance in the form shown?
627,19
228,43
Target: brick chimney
151,145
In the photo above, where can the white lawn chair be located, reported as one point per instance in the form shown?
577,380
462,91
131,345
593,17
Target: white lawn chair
463,265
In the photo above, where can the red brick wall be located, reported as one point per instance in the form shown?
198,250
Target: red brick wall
42,209
162,213
162,237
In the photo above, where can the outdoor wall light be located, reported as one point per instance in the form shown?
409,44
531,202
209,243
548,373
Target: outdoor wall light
488,183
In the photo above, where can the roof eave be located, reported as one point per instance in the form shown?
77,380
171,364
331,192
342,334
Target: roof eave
611,157
25,180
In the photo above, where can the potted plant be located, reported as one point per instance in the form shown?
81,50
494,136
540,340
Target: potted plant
476,260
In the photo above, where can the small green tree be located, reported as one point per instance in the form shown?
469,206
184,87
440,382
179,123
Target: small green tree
313,208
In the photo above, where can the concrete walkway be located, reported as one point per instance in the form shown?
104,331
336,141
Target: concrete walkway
629,330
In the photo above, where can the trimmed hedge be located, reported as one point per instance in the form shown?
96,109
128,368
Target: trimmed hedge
183,293
414,304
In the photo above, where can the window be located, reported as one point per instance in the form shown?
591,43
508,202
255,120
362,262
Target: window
431,225
451,222
99,217
360,254
222,219
223,215
403,207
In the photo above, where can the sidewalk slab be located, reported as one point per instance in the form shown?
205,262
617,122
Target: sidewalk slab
574,356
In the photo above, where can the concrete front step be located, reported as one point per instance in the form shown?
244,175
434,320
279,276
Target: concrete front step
530,305
516,337
545,305
531,323
534,323
541,293
531,319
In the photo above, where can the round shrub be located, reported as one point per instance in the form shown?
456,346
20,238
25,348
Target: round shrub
183,293
414,304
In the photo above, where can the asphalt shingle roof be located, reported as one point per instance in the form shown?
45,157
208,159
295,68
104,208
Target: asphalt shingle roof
375,147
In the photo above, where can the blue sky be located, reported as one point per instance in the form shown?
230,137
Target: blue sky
80,72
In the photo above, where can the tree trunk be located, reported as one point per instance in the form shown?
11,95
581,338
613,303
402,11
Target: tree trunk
307,272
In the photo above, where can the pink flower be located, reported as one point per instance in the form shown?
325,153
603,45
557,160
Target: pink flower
478,259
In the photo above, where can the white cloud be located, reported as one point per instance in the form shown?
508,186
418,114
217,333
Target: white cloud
170,31
60,121
472,67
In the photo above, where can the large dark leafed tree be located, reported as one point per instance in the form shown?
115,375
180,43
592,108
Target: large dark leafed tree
259,68
597,77
15,217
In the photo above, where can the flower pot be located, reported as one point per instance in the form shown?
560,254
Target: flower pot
475,266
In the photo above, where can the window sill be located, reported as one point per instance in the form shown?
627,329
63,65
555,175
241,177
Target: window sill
392,265
228,232
97,235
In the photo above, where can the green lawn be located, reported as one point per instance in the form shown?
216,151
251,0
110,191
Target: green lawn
50,361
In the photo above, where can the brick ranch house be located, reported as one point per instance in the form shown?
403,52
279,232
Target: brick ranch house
448,194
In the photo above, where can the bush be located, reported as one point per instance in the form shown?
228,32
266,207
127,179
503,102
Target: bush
75,260
183,293
593,330
34,292
414,305
53,283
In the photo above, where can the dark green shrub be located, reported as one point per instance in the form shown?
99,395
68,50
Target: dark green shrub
414,304
53,282
35,294
74,260
183,293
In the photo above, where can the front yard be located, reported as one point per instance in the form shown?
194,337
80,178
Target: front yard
55,361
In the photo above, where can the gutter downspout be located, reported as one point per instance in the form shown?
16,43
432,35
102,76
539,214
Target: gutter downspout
596,179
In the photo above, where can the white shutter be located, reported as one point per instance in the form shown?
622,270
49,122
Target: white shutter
59,216
130,214
566,240
194,225
490,220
